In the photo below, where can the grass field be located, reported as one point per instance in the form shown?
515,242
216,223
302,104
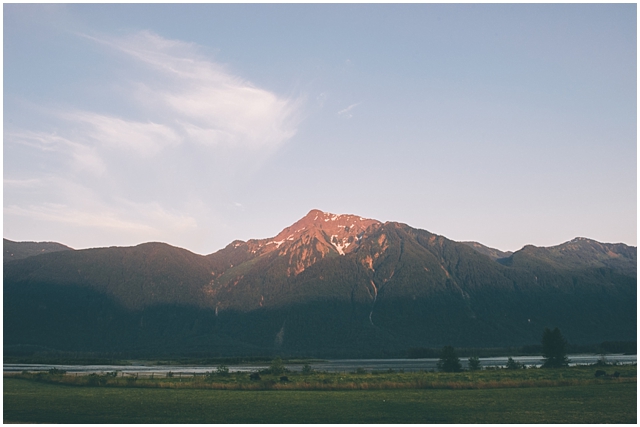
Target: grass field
578,400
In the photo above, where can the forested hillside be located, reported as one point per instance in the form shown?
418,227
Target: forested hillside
19,250
329,285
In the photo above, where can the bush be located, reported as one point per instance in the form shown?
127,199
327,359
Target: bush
56,371
602,361
95,379
474,363
222,370
512,364
277,367
306,369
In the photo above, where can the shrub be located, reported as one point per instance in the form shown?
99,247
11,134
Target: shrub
306,369
222,370
474,363
277,367
512,364
95,380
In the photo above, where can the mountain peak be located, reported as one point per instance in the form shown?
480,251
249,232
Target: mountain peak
319,217
312,238
338,232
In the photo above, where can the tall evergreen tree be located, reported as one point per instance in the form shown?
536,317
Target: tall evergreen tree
554,349
449,361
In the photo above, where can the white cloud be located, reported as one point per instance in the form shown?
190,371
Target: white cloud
82,157
209,103
187,99
178,128
61,213
78,206
112,132
347,111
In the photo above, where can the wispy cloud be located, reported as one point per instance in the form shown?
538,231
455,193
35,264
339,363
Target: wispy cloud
80,156
78,205
144,138
346,113
210,104
61,213
182,121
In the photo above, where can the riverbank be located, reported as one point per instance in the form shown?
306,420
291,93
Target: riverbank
357,380
156,368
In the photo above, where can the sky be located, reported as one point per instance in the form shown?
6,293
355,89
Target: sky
200,124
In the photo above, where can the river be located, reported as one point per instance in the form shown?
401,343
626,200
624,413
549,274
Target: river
341,365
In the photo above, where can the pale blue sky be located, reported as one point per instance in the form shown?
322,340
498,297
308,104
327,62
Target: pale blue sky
199,124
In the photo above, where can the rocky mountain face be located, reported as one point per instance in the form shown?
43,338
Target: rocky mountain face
328,285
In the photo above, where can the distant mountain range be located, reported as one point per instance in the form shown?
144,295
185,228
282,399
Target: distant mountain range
328,285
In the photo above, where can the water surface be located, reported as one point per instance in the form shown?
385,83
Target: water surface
340,365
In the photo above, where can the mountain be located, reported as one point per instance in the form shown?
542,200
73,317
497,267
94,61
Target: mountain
328,285
579,253
490,252
20,250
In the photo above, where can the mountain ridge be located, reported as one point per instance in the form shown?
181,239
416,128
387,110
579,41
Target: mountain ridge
18,250
493,253
332,285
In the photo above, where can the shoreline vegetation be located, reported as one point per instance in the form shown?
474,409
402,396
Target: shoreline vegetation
221,379
29,355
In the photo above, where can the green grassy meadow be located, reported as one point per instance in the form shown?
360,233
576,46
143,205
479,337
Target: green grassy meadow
572,398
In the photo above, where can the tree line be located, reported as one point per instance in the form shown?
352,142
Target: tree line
554,353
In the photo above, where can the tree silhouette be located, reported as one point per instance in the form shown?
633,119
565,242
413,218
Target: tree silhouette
554,349
474,363
512,364
449,361
277,366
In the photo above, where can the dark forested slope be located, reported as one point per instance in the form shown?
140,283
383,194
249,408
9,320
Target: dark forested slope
19,250
328,285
